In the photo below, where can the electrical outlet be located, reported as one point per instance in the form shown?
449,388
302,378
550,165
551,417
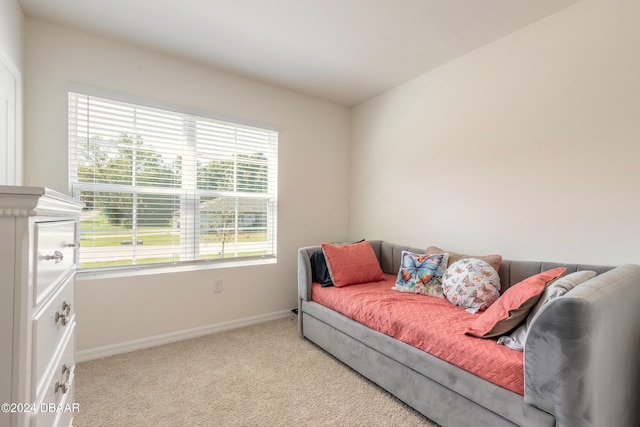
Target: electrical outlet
217,285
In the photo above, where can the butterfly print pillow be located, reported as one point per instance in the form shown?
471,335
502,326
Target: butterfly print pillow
421,274
471,283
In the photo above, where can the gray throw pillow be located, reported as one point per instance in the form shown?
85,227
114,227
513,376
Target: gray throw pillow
516,339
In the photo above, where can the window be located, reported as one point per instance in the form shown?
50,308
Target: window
165,188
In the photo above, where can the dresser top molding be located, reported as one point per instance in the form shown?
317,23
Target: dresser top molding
19,201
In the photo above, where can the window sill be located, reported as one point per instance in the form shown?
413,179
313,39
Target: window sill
169,269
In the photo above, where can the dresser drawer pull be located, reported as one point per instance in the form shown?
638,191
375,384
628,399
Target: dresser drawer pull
74,245
66,370
66,307
64,387
62,318
56,257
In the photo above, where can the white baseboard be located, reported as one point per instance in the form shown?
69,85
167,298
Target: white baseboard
125,347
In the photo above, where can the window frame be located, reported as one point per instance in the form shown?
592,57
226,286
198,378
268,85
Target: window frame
271,196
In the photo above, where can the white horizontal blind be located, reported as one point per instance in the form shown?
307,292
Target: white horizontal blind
164,187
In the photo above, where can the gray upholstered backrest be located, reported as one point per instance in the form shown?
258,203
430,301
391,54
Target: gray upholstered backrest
511,272
390,255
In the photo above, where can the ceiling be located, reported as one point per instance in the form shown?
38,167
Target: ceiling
344,51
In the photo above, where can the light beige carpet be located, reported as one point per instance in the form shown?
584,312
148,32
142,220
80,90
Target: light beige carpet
261,375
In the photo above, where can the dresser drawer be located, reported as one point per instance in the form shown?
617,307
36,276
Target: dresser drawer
55,249
70,409
66,419
56,403
51,325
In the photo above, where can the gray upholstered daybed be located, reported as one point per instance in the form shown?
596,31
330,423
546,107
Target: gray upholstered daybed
581,358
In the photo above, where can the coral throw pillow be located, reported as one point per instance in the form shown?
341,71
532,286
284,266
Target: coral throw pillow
518,337
352,264
471,283
513,306
421,274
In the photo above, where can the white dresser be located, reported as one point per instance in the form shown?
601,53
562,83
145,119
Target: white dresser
38,243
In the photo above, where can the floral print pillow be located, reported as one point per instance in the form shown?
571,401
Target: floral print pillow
471,283
421,274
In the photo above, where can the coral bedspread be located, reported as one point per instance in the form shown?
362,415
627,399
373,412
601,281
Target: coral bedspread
428,323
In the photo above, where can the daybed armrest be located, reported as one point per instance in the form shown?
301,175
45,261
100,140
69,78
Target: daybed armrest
582,355
304,271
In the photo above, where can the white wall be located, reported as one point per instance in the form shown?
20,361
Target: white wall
528,147
11,31
11,50
313,135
